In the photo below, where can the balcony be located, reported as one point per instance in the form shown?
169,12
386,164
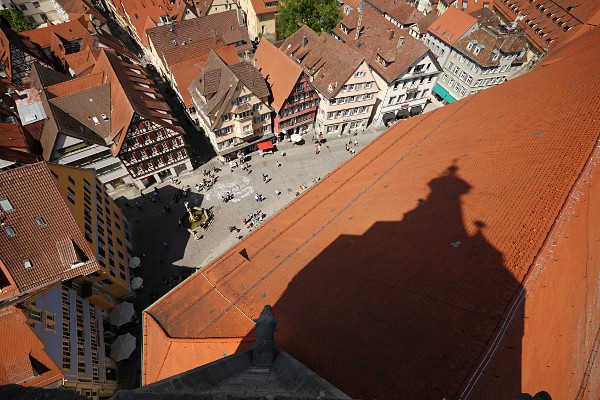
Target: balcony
420,72
412,90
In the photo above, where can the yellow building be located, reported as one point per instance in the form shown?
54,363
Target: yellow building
261,18
104,227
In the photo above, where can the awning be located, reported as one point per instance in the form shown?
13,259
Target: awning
443,93
388,116
416,110
403,112
265,145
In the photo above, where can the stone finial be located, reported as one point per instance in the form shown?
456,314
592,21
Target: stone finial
265,350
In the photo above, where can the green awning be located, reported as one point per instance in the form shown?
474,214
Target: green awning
443,93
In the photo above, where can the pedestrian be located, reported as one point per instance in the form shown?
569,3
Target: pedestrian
179,223
278,163
240,237
166,245
355,142
277,192
155,190
138,205
350,142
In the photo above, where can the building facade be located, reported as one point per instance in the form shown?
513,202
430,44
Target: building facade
232,106
343,80
293,98
105,228
261,18
404,68
72,331
488,56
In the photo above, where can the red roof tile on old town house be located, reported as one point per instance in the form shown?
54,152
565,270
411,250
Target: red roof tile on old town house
394,276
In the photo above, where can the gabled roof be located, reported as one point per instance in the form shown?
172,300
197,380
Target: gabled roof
424,23
380,37
279,70
185,72
224,25
493,40
452,25
9,37
401,11
328,61
251,78
76,8
260,6
201,48
14,145
24,358
69,31
57,250
559,22
393,276
218,83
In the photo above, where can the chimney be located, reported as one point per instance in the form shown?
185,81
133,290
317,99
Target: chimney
265,350
358,24
240,17
400,42
304,40
391,33
255,63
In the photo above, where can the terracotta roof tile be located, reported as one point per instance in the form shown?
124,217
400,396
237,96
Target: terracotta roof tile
452,25
493,39
260,6
380,37
424,23
251,78
583,16
414,249
49,248
224,25
401,11
279,70
71,30
326,59
22,352
185,72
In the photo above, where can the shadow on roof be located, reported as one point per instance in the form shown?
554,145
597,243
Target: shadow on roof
406,310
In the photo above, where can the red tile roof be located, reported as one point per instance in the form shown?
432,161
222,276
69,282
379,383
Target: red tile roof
401,11
71,30
379,37
260,6
392,277
327,60
24,358
279,70
224,25
52,248
451,25
552,20
185,72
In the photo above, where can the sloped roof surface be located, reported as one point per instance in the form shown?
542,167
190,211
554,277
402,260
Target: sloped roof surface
33,193
402,264
9,37
223,25
503,44
251,78
560,20
179,54
20,348
451,25
71,30
380,37
323,57
279,70
185,72
260,6
400,10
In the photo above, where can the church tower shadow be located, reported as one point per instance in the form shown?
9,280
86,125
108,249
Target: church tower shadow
408,309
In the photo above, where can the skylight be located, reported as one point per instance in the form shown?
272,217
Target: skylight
5,205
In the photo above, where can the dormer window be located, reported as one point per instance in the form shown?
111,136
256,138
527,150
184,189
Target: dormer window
10,231
381,61
39,221
5,205
478,49
343,28
471,44
27,263
444,32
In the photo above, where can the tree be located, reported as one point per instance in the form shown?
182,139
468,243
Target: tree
16,20
319,15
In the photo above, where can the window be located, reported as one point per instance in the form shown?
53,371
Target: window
257,107
23,7
39,221
36,4
368,85
444,77
360,74
71,195
5,205
9,231
392,100
27,263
